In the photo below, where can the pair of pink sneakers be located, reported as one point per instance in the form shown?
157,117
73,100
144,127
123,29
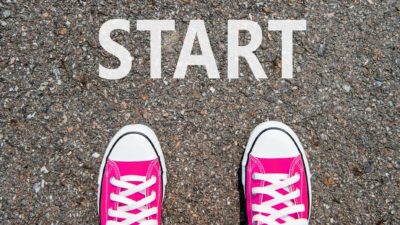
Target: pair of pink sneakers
275,177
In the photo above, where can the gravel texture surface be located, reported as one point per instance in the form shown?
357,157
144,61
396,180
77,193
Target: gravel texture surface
57,115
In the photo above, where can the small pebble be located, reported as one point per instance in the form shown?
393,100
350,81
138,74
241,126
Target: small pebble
44,170
36,187
63,31
212,89
321,50
12,61
57,75
6,13
347,87
95,155
31,116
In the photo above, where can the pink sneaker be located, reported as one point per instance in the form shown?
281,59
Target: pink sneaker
276,177
132,178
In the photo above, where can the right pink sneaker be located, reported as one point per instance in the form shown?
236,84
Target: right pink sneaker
276,177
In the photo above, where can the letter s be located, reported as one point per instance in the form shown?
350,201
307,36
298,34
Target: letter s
114,48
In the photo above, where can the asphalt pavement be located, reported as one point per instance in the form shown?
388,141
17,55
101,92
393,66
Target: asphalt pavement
57,115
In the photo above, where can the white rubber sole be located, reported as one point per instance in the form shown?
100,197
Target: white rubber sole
136,128
253,136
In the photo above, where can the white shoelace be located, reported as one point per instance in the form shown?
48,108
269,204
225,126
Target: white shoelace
277,181
122,212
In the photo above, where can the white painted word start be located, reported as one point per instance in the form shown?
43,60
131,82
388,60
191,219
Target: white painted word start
197,29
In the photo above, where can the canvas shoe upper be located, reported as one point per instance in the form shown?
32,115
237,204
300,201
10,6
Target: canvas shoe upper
132,178
275,177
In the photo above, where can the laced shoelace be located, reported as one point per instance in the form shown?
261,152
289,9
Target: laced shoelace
122,212
277,181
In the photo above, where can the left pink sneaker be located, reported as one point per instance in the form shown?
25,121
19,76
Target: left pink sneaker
132,178
276,177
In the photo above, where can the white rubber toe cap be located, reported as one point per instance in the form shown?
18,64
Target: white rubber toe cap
132,147
274,143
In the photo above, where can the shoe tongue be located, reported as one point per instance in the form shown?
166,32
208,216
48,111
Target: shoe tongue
277,166
135,168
